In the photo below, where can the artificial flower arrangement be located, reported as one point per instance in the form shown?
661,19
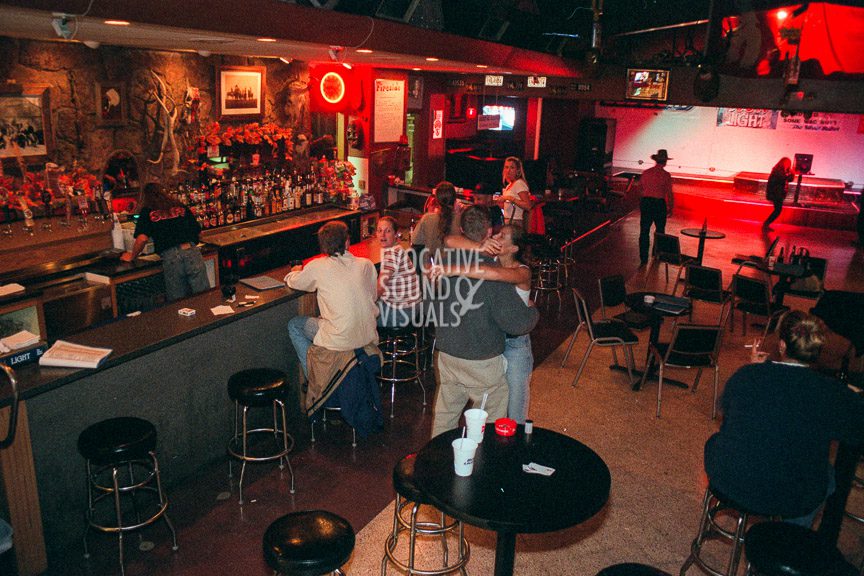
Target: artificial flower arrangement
338,176
253,134
33,190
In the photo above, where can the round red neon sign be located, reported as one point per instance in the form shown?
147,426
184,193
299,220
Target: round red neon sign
332,88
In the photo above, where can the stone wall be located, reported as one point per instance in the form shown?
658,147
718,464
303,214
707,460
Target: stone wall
73,73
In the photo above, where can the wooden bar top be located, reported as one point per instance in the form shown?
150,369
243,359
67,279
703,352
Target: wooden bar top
255,229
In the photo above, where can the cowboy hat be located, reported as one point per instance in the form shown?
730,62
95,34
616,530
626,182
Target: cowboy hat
661,156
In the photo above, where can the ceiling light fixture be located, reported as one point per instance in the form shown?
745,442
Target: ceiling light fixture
116,22
335,53
481,66
431,59
347,65
286,60
204,53
92,44
782,15
416,69
60,23
266,39
364,51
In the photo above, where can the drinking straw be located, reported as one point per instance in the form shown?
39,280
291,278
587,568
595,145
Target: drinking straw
483,403
462,441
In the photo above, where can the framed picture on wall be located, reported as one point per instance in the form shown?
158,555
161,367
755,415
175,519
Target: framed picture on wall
415,92
241,92
25,125
111,103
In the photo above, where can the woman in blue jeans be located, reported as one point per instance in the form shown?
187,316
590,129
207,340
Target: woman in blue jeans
512,269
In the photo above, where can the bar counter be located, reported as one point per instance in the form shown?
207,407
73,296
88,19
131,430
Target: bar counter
169,369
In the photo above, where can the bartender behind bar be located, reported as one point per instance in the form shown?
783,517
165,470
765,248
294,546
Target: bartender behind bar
174,231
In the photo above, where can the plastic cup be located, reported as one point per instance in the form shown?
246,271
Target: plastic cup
463,456
475,420
649,299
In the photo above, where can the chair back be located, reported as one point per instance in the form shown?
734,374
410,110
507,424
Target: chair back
613,292
752,291
668,248
704,278
582,312
691,342
771,247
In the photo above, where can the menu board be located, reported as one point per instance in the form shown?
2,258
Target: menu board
389,110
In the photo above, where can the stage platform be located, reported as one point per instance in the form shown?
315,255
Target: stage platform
708,197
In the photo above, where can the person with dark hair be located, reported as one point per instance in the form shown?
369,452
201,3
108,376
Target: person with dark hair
776,190
656,201
771,454
399,297
511,268
175,232
475,318
440,220
346,292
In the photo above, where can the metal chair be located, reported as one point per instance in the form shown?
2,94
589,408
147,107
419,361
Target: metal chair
608,333
692,346
613,292
705,284
753,296
667,249
815,267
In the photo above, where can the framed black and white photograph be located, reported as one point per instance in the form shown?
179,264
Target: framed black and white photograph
241,92
25,125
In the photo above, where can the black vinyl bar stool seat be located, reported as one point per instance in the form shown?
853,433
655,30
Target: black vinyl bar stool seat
309,543
783,549
259,388
408,495
631,569
113,449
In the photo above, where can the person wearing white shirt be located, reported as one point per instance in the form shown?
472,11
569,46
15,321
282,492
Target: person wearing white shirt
346,292
515,199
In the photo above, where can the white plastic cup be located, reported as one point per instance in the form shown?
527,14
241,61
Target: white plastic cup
475,419
649,299
463,456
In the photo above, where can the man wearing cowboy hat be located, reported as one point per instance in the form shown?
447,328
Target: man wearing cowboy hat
656,202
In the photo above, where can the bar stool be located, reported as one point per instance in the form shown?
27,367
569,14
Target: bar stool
324,411
400,347
713,503
308,543
783,549
256,388
110,446
407,495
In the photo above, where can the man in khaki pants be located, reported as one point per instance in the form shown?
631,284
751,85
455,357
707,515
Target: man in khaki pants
472,319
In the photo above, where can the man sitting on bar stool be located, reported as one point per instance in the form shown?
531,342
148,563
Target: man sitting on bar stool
346,291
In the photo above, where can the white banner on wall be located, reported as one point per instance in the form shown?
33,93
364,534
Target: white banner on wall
747,118
819,122
389,109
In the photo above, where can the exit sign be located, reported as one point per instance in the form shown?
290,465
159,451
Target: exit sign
494,80
536,81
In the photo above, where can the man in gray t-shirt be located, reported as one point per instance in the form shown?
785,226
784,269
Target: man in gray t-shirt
472,319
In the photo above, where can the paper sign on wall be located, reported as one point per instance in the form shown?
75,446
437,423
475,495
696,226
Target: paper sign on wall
389,109
494,80
536,81
488,122
438,125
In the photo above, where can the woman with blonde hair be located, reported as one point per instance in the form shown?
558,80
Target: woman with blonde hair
771,455
515,199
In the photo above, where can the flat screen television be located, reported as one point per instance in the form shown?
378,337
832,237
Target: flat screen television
507,114
644,84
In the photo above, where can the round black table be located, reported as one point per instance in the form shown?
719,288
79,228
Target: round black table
500,496
702,234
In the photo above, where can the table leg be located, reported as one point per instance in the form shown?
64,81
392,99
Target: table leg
835,507
505,553
701,249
